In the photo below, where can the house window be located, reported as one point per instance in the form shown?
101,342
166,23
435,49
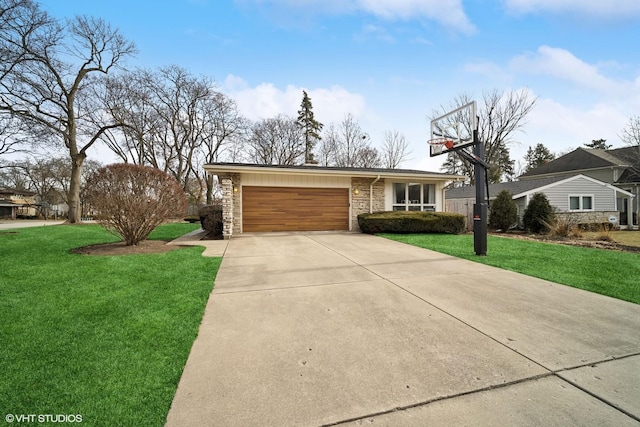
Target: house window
414,197
580,203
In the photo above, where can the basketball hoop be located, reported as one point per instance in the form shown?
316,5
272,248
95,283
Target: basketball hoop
439,144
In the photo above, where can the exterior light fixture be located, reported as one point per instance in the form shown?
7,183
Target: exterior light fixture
356,191
235,188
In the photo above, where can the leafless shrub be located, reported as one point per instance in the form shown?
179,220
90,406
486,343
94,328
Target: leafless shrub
564,227
132,200
604,233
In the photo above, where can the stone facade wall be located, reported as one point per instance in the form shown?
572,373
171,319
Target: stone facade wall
360,201
227,206
591,217
231,204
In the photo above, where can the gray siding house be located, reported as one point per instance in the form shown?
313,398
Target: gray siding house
619,167
580,198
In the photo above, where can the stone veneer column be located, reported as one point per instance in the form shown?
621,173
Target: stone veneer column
237,203
360,201
227,206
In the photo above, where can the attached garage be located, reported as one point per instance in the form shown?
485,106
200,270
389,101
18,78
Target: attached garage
276,198
294,209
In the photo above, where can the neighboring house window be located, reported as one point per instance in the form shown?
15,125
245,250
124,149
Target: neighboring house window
580,203
414,197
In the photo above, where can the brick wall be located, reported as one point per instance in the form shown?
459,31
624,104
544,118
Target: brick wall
360,201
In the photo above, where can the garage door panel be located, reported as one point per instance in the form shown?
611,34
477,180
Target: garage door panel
294,209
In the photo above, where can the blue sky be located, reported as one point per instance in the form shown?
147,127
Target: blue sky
390,63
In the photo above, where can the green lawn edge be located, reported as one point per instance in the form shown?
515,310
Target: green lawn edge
606,272
104,337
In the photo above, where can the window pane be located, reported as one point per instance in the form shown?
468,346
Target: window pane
574,203
414,208
399,208
399,193
429,194
586,202
429,209
414,194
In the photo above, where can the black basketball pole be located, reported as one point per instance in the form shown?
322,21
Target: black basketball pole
480,207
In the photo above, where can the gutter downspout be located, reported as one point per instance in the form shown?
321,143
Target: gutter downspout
371,193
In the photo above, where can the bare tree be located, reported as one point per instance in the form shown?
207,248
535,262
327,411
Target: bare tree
129,100
46,81
174,121
227,127
368,157
394,149
501,115
13,134
328,146
352,147
630,135
277,141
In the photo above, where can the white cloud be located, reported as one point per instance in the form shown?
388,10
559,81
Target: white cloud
560,127
377,32
449,13
266,100
596,8
489,70
563,64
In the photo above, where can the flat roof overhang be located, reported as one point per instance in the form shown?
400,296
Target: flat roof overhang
224,168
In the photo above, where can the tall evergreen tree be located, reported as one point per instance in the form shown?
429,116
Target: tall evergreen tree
310,127
598,144
537,156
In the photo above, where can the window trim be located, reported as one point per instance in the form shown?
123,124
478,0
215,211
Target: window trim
581,202
422,206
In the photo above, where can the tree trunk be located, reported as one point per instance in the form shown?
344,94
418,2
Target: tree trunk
209,181
73,197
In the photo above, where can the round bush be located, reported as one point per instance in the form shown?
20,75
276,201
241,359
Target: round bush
132,200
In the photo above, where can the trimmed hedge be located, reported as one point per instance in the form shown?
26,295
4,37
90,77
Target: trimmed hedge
405,222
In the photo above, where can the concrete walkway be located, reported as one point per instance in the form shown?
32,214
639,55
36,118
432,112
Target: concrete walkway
24,223
326,329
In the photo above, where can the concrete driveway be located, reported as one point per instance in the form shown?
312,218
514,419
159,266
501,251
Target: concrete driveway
341,328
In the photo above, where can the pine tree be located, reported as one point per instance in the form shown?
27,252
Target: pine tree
598,144
504,212
537,156
538,215
310,126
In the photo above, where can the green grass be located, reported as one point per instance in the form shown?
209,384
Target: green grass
612,273
104,337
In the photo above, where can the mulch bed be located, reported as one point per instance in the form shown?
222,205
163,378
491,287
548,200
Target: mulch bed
595,244
119,248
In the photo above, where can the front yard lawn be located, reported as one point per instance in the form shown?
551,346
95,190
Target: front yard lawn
104,337
612,273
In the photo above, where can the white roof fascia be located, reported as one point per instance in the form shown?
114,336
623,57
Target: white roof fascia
569,179
215,169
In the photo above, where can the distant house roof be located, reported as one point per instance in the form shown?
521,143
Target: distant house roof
522,188
5,191
583,159
215,168
515,187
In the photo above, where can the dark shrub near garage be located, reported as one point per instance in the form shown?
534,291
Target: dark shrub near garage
211,220
405,222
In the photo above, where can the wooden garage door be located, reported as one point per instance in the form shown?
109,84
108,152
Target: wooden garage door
294,209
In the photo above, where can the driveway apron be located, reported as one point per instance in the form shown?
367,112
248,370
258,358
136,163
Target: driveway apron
350,329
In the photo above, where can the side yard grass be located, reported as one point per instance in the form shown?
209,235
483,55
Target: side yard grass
611,273
104,337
